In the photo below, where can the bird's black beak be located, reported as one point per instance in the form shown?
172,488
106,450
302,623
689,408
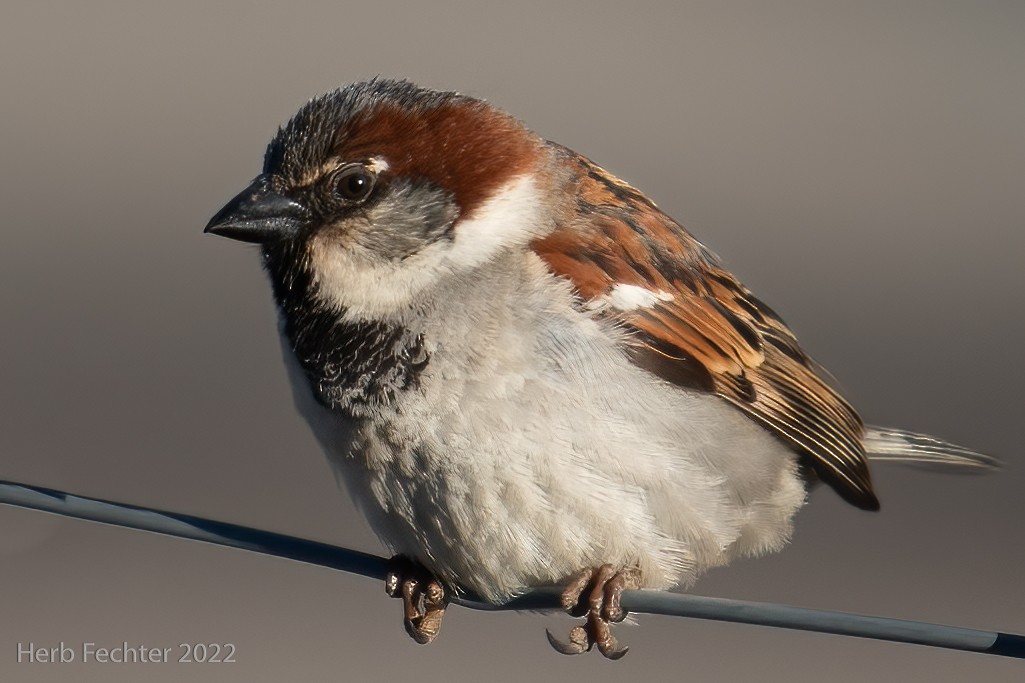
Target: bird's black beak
258,214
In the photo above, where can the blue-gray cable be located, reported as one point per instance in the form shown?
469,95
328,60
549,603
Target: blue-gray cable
652,602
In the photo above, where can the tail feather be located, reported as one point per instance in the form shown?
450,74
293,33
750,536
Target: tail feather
897,445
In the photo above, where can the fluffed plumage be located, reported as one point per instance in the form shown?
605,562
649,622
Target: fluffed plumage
521,368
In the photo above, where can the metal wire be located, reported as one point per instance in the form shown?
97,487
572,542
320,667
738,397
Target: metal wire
651,602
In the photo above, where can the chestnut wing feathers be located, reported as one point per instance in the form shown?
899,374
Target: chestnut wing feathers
700,327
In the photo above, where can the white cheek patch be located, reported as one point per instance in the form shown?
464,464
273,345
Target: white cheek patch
367,287
624,297
511,217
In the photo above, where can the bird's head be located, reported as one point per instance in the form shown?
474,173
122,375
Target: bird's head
378,190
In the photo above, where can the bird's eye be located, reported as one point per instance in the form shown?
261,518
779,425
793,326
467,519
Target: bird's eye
354,183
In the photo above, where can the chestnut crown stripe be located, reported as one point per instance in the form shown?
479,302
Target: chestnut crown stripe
462,145
712,333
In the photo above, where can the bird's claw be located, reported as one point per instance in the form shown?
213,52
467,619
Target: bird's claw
577,643
424,598
602,606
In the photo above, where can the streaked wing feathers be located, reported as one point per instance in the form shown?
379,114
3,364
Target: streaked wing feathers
701,327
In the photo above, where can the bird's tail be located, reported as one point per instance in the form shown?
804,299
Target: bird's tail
897,445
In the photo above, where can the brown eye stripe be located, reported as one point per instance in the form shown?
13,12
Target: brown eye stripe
462,145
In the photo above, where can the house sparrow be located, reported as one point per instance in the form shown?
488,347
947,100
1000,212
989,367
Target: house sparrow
526,373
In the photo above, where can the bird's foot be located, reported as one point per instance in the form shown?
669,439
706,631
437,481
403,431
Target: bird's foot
595,593
424,598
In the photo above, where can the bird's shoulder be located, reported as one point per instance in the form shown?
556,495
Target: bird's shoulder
692,323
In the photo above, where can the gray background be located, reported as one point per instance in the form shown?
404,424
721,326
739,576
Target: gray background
859,165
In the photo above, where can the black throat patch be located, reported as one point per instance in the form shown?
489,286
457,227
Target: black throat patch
353,367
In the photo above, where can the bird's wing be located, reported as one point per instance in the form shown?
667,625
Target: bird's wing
694,324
